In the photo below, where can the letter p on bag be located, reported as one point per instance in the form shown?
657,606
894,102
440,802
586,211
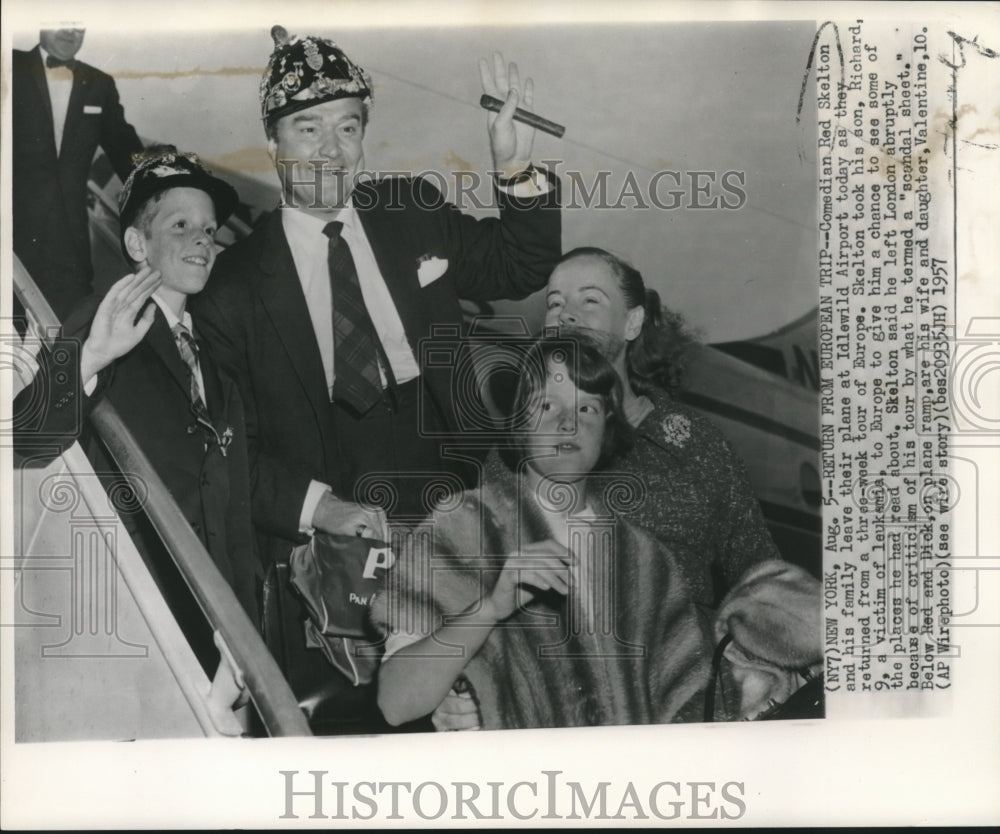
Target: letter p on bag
378,557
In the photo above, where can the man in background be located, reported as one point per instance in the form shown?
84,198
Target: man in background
63,109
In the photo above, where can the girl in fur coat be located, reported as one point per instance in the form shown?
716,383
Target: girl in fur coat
532,590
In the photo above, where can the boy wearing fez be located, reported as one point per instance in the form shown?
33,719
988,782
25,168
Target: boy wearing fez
186,417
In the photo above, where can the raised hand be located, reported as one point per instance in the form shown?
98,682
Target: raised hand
539,566
510,141
116,329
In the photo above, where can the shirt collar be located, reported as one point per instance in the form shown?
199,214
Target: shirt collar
66,71
169,315
302,223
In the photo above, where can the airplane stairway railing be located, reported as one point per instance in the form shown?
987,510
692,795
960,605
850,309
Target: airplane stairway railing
244,659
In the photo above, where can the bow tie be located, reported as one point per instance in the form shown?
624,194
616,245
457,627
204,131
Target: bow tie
51,61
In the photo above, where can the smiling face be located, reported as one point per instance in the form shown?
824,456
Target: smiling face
177,239
61,43
318,152
567,428
585,292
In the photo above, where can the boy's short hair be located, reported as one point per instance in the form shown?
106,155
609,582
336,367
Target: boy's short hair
143,220
590,372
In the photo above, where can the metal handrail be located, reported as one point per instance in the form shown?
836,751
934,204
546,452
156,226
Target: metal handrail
268,689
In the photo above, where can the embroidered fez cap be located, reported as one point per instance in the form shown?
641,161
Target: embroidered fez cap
161,167
302,72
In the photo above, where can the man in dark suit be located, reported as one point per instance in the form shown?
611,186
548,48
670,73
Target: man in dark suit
186,416
331,417
62,110
340,319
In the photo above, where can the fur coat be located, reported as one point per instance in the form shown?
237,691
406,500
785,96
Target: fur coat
624,647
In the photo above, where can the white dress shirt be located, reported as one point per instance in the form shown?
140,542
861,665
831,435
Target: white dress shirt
60,84
309,252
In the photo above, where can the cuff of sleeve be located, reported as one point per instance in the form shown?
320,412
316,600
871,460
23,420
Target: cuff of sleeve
313,495
95,387
536,184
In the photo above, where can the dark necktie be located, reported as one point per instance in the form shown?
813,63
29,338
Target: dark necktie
188,348
355,342
51,61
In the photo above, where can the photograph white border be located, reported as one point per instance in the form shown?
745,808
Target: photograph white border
850,772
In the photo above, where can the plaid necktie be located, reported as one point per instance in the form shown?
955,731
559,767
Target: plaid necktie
355,343
188,348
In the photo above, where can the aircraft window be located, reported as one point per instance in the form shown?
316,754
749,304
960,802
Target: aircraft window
768,358
812,489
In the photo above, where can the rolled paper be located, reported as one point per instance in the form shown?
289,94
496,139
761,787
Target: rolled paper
526,116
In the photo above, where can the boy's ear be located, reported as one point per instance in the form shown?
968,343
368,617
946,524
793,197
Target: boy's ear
272,149
135,244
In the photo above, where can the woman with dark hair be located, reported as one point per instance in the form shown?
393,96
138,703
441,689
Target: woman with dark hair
532,590
698,499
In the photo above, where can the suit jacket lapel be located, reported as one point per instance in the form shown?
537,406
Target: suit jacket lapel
281,293
161,342
216,398
393,257
74,110
37,73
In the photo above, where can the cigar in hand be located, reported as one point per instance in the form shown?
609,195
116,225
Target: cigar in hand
526,116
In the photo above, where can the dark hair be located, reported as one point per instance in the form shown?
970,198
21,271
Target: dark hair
590,372
658,356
